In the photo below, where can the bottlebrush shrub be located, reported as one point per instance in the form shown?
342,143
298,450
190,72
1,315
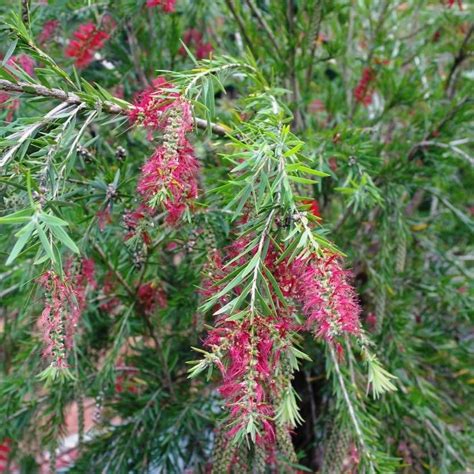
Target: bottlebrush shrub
236,236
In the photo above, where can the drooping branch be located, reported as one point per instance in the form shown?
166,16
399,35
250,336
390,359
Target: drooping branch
106,106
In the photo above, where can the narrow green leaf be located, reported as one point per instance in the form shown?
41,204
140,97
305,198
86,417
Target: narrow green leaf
9,52
299,179
52,220
17,217
46,244
24,236
64,238
275,286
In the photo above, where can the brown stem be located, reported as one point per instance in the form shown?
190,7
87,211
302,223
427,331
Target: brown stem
132,43
458,60
25,11
448,117
117,274
293,79
107,106
261,20
240,23
315,28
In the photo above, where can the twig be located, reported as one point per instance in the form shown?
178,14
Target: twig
106,106
458,60
261,20
132,42
346,76
415,202
294,85
350,408
120,278
451,147
160,352
448,117
25,11
240,23
314,35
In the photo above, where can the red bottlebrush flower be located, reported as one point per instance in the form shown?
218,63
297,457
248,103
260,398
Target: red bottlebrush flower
150,297
192,36
87,40
313,207
170,176
49,28
172,179
248,355
151,105
363,92
328,301
193,39
65,300
245,384
53,318
168,6
203,50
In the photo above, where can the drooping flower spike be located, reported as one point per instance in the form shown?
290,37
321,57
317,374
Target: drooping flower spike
65,300
170,176
254,358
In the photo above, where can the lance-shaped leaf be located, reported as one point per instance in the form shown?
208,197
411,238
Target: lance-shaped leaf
23,237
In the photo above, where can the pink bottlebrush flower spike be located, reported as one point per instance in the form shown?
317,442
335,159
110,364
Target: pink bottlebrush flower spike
65,300
170,176
363,92
87,40
49,28
327,299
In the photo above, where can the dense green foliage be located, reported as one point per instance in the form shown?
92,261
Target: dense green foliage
389,164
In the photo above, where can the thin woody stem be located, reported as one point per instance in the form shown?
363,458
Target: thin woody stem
314,35
106,106
261,20
240,22
350,408
458,60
